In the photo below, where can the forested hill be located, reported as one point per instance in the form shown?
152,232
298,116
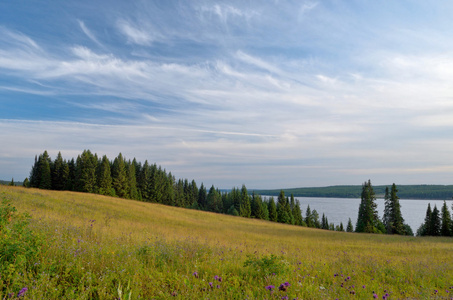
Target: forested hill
438,192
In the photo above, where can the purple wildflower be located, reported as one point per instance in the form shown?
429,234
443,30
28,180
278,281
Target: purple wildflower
22,292
270,287
210,284
195,274
375,296
363,286
285,298
283,286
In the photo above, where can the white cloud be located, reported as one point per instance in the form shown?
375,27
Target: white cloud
135,35
89,33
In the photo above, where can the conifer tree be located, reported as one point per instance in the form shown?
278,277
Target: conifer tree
132,181
435,225
425,228
308,217
395,219
119,177
45,177
283,209
272,210
257,206
245,209
386,219
144,182
86,172
214,200
349,227
297,214
11,183
446,221
202,197
58,173
368,218
104,177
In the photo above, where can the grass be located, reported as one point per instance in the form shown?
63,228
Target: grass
96,247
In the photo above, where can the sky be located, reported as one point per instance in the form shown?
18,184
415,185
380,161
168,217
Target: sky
270,94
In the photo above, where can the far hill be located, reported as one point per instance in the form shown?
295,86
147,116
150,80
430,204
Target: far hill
438,192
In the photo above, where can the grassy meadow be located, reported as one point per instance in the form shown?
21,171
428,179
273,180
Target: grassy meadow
84,246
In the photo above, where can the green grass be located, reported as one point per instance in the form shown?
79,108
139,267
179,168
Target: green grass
96,247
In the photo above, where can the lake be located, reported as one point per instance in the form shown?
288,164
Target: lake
341,209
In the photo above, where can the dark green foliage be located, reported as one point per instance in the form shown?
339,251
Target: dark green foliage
245,209
272,210
368,218
433,223
119,177
393,219
12,182
257,207
446,221
104,178
349,227
202,197
297,214
214,200
86,172
284,214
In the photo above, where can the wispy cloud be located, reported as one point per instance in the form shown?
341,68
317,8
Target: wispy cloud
89,33
134,34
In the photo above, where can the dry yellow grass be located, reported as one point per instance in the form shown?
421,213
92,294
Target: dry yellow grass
319,260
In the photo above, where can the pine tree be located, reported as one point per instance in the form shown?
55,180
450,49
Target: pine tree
425,228
446,221
308,217
11,183
272,210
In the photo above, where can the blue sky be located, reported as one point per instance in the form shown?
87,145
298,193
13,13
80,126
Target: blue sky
271,94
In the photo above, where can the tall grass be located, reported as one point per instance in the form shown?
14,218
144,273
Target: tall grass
96,247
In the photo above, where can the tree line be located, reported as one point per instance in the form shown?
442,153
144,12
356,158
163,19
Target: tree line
147,182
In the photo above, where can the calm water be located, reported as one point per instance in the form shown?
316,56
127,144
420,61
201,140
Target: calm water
340,209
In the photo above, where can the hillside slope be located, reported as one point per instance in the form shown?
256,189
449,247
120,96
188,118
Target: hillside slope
96,246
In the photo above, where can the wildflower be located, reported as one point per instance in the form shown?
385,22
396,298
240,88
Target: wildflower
218,278
375,296
270,287
284,286
363,286
285,298
195,274
210,284
22,292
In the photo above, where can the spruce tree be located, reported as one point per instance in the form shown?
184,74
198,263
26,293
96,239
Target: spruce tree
132,181
273,216
104,177
368,218
446,221
349,227
435,225
86,172
257,206
245,209
283,209
308,217
214,200
396,219
119,177
386,219
202,197
45,176
144,182
297,214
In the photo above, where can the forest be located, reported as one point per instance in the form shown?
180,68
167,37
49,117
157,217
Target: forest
147,182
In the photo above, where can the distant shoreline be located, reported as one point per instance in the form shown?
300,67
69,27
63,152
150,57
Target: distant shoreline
416,192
